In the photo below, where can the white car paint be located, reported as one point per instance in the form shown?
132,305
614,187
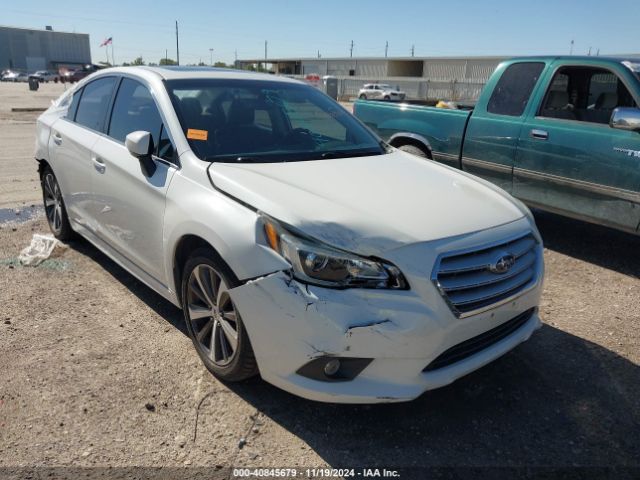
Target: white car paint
381,91
395,207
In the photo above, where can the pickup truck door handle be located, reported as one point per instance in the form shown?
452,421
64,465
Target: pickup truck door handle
539,134
57,138
98,164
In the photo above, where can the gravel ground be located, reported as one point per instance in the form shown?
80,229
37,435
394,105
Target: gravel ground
97,371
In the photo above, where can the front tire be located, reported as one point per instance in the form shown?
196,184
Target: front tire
54,207
213,321
413,150
363,96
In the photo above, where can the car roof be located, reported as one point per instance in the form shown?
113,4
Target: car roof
185,73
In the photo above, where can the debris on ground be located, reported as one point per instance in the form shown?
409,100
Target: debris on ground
41,248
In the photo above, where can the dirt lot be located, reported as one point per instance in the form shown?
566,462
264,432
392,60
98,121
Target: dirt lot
96,371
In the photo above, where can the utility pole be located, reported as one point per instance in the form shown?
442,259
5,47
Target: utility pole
597,52
589,54
166,55
571,48
386,49
413,50
265,54
177,46
211,57
318,53
351,50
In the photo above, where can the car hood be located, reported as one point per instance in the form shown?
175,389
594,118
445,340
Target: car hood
368,205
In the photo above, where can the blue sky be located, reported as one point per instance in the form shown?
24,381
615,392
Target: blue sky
301,28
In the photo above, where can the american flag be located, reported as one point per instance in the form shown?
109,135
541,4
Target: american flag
107,41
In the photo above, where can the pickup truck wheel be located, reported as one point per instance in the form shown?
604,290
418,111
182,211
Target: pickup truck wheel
413,150
213,322
363,96
54,207
387,97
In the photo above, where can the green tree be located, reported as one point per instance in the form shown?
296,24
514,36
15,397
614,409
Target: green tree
168,61
138,61
220,65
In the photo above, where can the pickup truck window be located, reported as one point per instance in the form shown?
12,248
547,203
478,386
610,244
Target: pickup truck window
514,88
585,94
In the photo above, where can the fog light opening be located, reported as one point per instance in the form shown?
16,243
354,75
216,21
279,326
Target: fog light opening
332,367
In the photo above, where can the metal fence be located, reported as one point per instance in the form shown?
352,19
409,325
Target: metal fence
415,88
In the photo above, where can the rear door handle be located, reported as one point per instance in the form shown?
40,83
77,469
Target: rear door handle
539,134
98,164
57,138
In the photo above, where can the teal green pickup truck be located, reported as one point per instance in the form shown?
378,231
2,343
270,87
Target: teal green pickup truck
560,133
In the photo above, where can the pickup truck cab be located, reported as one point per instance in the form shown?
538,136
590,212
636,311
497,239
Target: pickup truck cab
560,133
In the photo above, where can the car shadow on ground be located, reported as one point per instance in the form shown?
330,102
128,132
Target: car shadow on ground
153,300
556,401
606,247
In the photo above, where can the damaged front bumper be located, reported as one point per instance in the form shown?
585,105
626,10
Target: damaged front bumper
399,333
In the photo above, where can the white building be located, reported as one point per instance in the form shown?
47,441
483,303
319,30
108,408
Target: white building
459,78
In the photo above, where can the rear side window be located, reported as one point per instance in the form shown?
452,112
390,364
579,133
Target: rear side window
73,106
133,110
94,103
514,88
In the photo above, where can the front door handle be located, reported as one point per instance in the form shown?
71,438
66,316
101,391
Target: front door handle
98,164
57,138
539,134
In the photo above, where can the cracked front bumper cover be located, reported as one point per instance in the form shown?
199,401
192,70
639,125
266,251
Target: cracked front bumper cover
291,323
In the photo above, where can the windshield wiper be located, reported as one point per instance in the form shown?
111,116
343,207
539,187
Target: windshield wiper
348,153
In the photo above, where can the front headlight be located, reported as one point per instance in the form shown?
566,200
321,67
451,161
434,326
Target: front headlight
319,264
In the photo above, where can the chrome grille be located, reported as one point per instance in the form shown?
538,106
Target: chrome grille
473,281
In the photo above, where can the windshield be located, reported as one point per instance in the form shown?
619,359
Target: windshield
230,120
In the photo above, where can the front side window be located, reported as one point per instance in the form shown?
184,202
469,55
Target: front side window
512,92
94,103
585,94
265,121
134,109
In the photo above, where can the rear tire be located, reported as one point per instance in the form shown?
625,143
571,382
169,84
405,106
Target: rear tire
54,207
363,96
387,97
413,150
213,321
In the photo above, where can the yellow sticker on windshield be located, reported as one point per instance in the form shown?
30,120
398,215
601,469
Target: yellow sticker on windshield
193,134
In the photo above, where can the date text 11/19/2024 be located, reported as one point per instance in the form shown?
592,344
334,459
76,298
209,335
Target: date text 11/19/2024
315,473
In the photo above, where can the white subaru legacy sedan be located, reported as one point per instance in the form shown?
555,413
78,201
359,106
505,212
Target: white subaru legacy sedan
298,244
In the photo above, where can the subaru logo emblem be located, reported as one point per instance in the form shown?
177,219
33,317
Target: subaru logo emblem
503,263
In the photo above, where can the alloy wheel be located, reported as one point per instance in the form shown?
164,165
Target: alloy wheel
53,202
212,314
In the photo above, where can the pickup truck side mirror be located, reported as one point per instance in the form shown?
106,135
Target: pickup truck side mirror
140,145
625,118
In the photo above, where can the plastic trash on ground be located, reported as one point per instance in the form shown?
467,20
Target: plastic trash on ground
41,248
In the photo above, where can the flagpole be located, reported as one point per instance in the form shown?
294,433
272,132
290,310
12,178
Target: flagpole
113,58
107,52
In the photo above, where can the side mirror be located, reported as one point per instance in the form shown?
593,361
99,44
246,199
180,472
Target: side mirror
625,118
140,145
